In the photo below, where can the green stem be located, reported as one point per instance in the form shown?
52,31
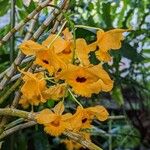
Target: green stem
57,34
116,117
87,27
74,98
12,22
110,136
74,41
66,92
8,92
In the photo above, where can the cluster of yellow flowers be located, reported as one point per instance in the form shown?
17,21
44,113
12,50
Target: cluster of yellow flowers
55,122
65,66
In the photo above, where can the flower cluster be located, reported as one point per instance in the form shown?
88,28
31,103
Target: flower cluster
63,65
55,122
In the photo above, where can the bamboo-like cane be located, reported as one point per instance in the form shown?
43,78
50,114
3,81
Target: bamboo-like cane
53,30
31,27
33,17
27,37
12,70
48,21
28,59
12,22
22,23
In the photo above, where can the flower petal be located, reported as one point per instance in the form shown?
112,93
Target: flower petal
59,108
30,47
82,51
49,60
55,92
110,39
45,116
67,35
103,56
92,46
87,80
100,112
59,44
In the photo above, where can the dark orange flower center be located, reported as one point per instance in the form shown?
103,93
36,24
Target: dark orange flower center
66,51
84,120
55,123
45,61
59,70
81,79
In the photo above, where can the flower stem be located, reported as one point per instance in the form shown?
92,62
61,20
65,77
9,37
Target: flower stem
87,27
116,117
74,98
8,92
57,34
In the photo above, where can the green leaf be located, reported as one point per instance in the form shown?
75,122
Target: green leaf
122,14
50,103
4,7
127,138
19,3
93,58
106,7
117,95
21,141
147,51
22,14
131,53
91,21
90,6
147,60
31,7
41,141
4,31
4,57
69,97
85,33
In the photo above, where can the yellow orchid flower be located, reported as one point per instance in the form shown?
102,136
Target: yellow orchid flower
87,80
37,84
55,123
